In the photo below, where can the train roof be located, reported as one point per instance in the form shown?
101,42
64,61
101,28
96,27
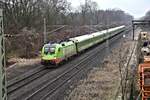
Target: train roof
81,38
109,30
66,43
88,36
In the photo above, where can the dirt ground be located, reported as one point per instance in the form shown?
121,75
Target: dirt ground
102,83
21,66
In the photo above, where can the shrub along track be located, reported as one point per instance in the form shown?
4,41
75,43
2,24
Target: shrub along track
43,88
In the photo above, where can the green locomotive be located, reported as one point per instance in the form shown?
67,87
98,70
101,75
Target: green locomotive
58,52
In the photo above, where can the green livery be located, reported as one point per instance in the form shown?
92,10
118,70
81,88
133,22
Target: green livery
51,51
68,49
86,41
56,53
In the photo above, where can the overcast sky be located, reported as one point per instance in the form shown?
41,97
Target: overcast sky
137,8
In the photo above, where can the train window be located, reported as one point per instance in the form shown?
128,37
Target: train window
46,50
52,50
58,49
145,44
63,44
49,49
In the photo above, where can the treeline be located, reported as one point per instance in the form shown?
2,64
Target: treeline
30,13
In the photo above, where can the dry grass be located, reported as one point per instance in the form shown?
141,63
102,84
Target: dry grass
102,83
24,62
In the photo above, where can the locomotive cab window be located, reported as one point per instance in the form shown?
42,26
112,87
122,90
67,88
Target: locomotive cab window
50,49
58,49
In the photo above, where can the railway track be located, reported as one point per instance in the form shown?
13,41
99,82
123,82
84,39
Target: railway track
50,87
25,78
